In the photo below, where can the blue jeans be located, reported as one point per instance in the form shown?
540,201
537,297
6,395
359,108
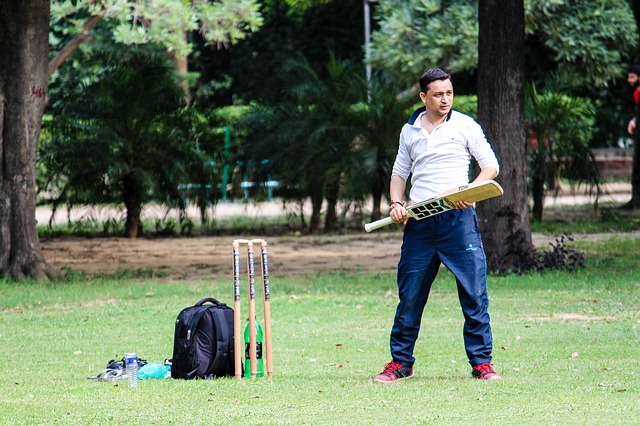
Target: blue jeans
453,239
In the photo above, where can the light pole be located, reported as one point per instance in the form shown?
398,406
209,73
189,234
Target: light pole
367,35
367,43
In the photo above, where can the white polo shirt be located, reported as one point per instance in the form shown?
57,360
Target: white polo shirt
439,161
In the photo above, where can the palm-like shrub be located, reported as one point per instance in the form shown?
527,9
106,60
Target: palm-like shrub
560,127
123,134
307,136
331,136
378,122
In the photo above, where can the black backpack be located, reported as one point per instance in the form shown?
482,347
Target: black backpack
203,342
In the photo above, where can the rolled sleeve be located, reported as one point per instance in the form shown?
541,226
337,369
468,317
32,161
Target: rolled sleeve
403,162
481,150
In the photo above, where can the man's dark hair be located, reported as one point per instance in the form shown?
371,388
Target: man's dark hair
634,69
432,75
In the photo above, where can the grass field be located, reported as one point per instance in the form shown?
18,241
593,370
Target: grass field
567,345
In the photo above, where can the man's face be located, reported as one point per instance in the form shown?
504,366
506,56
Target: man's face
632,79
438,99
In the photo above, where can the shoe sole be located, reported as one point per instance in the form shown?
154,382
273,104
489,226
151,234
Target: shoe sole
391,381
491,377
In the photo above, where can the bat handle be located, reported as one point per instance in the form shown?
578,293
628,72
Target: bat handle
378,224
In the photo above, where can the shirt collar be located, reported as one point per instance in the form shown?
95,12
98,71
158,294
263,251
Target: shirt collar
417,115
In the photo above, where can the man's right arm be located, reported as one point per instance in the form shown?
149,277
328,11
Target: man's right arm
396,191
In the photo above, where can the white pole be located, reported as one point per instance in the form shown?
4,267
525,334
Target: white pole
367,38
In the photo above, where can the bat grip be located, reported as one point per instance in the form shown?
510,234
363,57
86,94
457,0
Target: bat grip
378,224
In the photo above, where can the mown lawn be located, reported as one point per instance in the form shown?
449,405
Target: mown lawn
567,345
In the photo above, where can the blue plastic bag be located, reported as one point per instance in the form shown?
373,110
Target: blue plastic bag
154,371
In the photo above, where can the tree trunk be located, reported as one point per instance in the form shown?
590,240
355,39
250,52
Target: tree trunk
376,213
182,68
72,46
504,220
332,188
377,190
132,195
24,32
538,179
635,7
316,206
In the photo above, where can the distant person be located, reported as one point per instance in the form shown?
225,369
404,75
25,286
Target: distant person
436,147
633,78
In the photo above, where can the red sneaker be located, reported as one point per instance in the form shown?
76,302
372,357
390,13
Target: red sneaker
394,371
485,372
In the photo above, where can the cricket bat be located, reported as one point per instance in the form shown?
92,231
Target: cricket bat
445,202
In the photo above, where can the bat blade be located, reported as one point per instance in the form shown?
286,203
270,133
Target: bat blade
446,201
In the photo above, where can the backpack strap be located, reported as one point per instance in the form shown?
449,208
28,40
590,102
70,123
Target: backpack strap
207,299
223,340
194,320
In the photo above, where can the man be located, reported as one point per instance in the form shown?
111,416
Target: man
436,147
633,73
633,78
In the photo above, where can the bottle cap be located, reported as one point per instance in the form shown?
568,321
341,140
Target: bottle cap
131,358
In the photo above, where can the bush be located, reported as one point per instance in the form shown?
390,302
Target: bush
528,259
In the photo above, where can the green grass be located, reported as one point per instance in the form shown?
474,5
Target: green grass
584,219
566,344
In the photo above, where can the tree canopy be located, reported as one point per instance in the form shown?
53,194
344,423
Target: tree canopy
163,22
585,43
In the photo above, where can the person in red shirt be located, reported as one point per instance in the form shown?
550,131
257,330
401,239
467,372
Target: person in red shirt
633,78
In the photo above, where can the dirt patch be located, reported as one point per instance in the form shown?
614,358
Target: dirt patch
202,257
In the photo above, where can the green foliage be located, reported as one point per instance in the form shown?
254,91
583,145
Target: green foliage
565,343
420,34
331,136
587,43
302,5
328,29
164,22
466,104
522,258
105,126
584,43
562,126
307,136
377,124
125,135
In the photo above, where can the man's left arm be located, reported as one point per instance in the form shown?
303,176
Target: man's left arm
487,173
481,150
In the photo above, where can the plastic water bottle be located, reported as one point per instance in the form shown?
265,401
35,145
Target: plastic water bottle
131,365
247,345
